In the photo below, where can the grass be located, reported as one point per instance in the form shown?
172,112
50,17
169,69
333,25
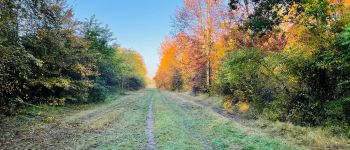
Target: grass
42,119
308,137
180,122
47,113
203,127
126,132
170,132
106,119
36,117
313,137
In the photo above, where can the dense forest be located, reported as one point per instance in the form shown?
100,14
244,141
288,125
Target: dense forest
48,57
285,60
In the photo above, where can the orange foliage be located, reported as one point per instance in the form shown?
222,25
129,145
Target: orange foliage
199,46
168,64
207,31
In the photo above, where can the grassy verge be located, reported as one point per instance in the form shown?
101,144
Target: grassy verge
309,137
31,120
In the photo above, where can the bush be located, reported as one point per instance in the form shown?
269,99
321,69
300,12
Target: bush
312,91
244,78
78,91
16,73
134,83
97,94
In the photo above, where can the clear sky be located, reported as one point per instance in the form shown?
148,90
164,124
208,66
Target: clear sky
137,24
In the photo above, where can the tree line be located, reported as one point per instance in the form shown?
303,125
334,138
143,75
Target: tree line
289,60
47,57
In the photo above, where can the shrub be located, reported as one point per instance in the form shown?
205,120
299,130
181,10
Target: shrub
244,78
312,91
16,73
78,91
134,83
97,94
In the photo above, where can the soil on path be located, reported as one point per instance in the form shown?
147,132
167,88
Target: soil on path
150,126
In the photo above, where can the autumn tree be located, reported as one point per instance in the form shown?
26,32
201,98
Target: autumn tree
169,75
132,70
201,20
287,59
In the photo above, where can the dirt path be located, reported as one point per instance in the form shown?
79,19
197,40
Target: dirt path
150,126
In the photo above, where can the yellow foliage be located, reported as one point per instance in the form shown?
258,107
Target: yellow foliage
243,107
49,119
135,62
228,105
299,42
56,101
150,83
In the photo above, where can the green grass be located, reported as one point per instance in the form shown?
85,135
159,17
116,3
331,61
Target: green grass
120,123
42,114
38,118
170,132
203,127
126,132
308,137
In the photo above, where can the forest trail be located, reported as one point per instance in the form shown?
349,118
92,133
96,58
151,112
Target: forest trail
146,119
150,126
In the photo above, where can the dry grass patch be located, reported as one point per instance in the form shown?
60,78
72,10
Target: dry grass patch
106,119
314,138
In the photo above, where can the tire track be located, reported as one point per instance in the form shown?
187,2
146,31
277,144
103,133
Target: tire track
150,125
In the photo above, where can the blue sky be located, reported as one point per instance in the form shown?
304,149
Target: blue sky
137,24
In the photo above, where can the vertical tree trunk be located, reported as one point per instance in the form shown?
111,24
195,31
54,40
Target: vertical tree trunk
208,44
208,74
